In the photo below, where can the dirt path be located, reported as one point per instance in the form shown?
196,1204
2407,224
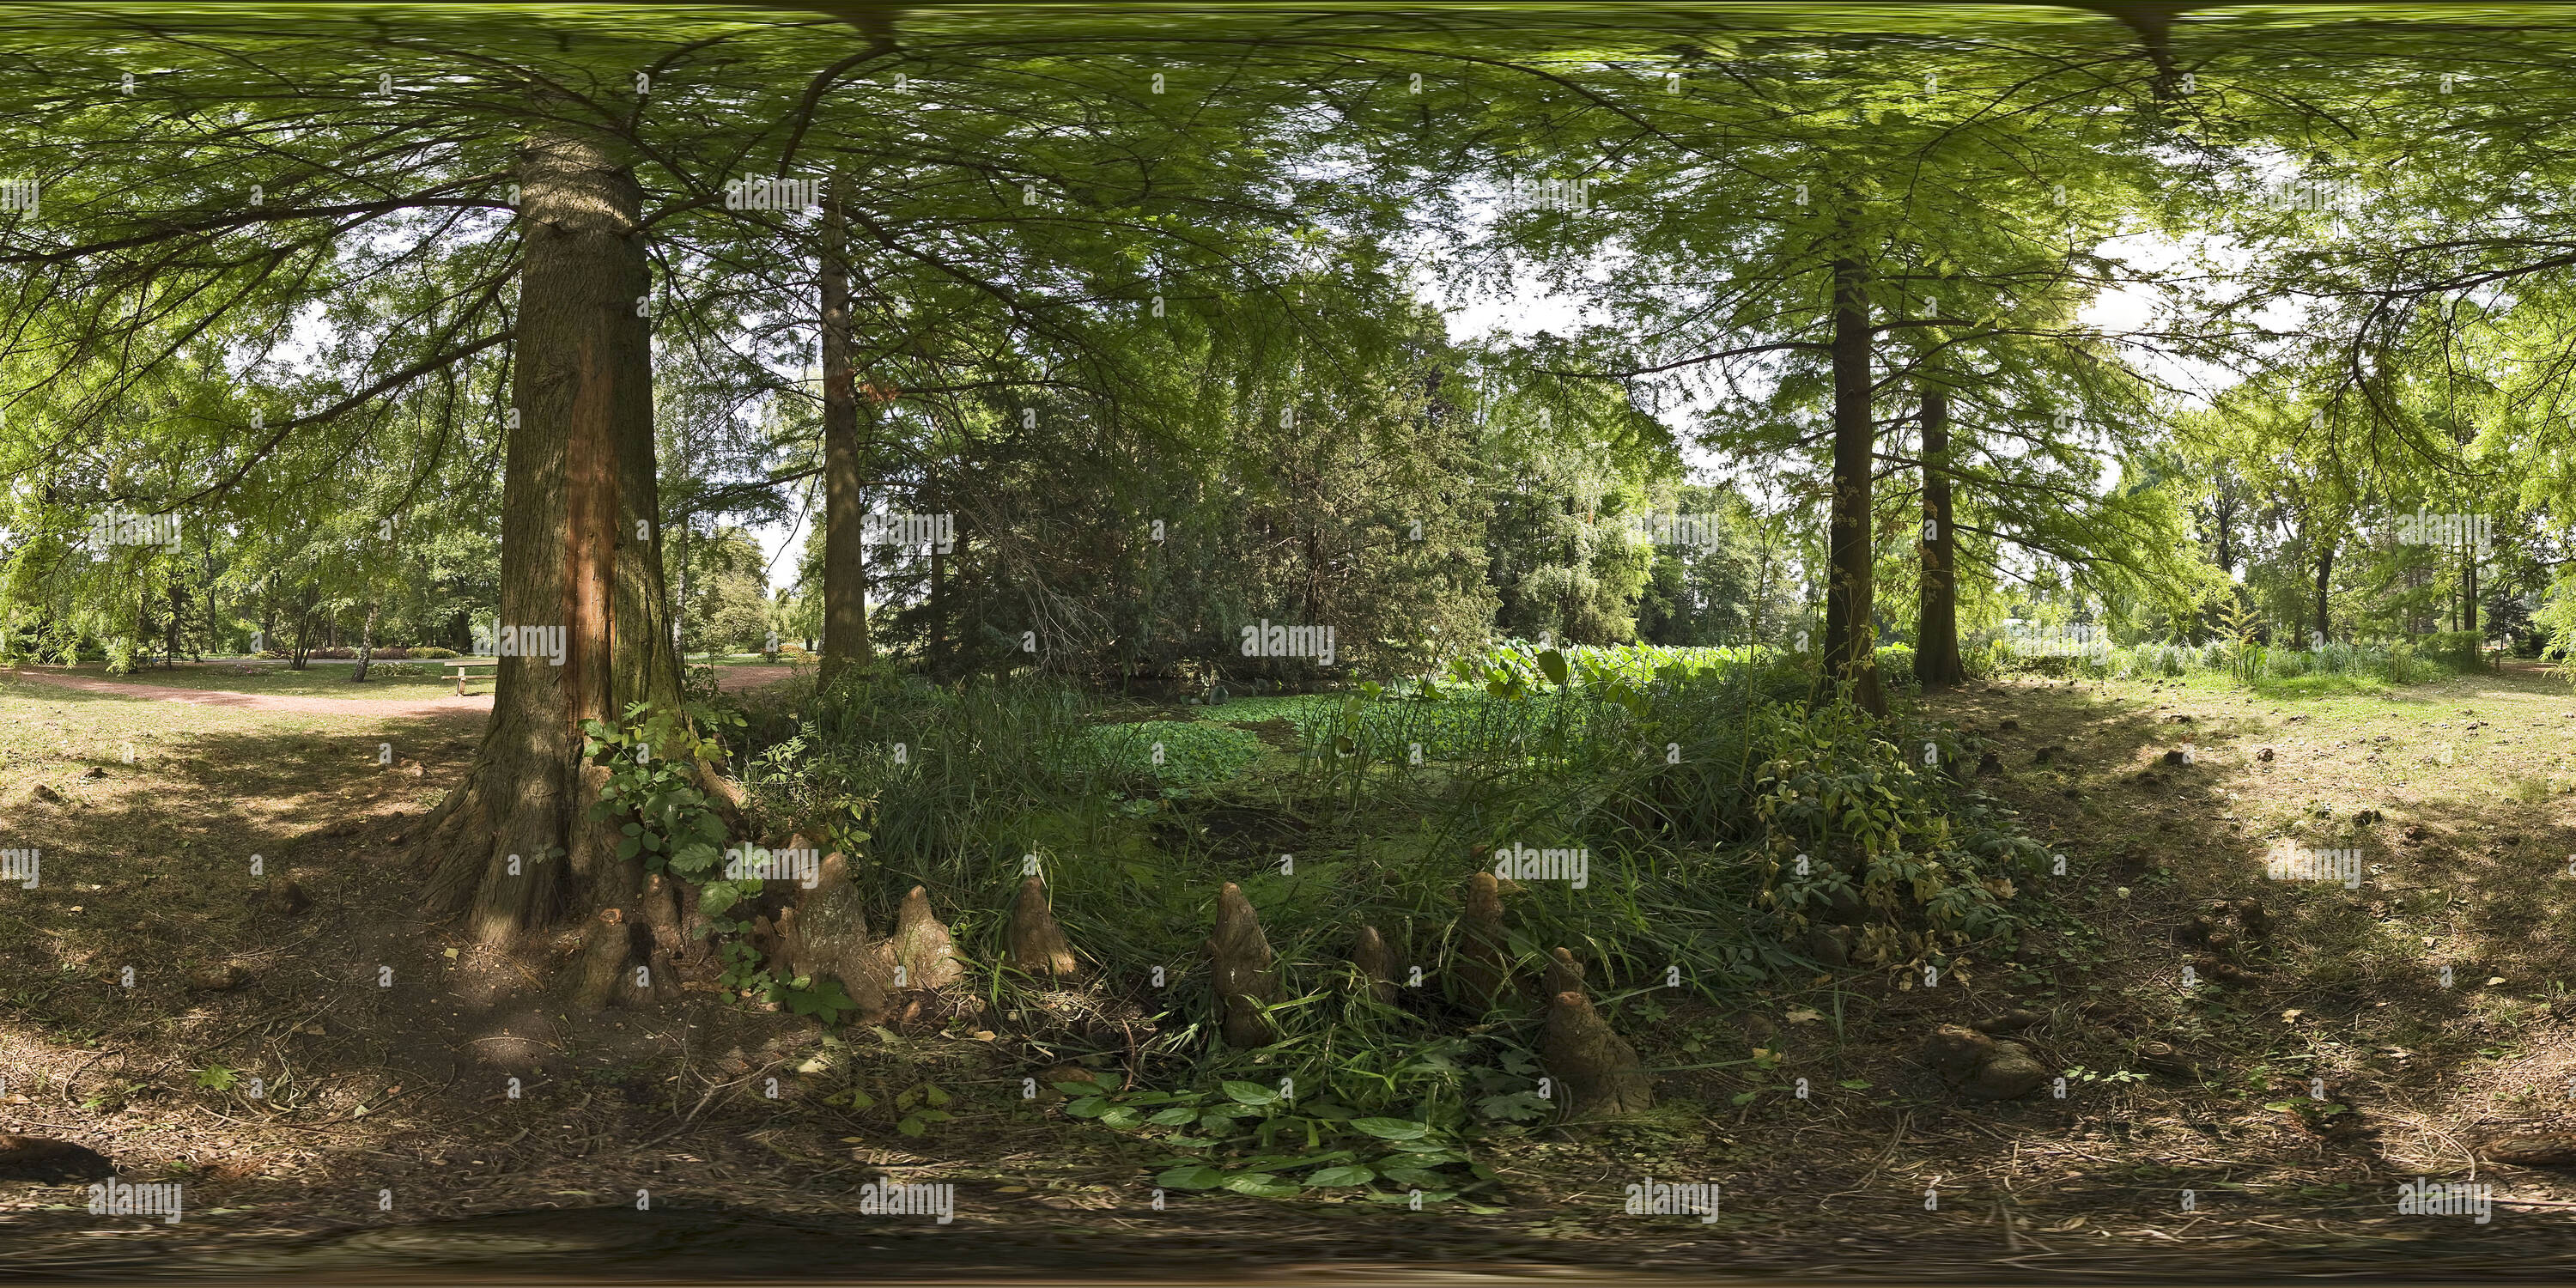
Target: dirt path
264,701
733,680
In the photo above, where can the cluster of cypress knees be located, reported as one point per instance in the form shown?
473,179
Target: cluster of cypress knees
823,935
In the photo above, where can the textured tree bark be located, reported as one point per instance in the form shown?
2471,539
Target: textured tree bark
1245,982
1936,646
1564,975
922,945
1851,637
1037,944
1598,1067
579,557
845,568
828,939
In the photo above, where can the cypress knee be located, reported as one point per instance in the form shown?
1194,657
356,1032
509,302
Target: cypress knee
1244,980
1564,975
828,939
1037,944
1598,1068
1375,964
922,945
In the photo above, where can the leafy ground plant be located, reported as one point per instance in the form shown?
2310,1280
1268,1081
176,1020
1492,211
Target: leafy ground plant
1258,1140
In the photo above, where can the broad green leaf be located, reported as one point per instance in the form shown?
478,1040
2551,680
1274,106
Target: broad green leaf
1552,663
1190,1178
1336,1176
1389,1128
1433,1158
1249,1093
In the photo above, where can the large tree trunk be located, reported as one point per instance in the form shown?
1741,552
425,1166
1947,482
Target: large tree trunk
578,555
1851,637
1936,645
845,553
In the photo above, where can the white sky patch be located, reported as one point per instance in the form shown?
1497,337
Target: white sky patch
1530,305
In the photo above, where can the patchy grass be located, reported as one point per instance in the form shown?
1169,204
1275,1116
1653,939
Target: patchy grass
2465,867
405,680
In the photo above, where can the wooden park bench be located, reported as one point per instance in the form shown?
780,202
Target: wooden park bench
464,669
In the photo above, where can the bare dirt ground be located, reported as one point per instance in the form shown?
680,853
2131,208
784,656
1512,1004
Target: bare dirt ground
732,679
387,1133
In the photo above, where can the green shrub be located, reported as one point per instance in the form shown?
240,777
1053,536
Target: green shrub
2461,651
1896,666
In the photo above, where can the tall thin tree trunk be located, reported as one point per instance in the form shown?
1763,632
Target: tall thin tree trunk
1851,636
845,567
1936,646
581,562
938,612
366,645
2469,588
2325,575
303,655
